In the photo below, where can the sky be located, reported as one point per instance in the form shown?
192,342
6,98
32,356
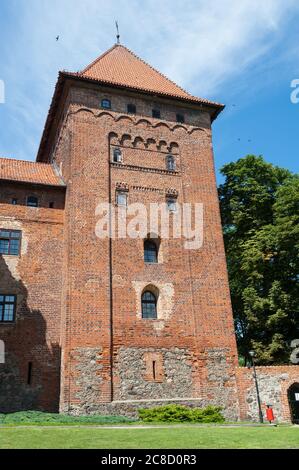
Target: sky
243,53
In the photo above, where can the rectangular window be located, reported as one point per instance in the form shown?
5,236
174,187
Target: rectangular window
121,198
7,308
10,241
156,113
32,201
180,118
171,204
131,108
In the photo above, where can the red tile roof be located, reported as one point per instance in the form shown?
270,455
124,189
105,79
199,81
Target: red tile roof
120,66
29,172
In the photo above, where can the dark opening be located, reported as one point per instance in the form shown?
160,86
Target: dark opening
154,370
32,201
131,108
180,118
293,397
51,205
29,373
14,201
156,113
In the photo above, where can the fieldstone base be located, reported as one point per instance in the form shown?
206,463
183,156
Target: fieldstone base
130,408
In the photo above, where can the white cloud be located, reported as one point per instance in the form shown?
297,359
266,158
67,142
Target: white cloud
201,44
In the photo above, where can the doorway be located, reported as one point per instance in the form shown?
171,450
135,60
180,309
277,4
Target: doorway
293,397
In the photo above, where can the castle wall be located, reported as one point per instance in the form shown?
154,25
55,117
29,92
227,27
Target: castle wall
30,376
274,383
104,334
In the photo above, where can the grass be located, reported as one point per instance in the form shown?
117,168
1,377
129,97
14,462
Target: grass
171,437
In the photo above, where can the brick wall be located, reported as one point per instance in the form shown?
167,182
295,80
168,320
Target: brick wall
35,278
103,282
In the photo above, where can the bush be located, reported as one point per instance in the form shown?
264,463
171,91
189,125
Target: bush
39,417
181,414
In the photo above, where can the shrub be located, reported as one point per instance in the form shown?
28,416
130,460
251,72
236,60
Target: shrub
39,417
181,414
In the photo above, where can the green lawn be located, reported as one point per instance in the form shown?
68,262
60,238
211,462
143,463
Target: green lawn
186,437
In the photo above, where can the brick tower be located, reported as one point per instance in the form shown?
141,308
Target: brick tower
141,321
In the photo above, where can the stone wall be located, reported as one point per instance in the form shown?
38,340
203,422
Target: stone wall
173,378
273,382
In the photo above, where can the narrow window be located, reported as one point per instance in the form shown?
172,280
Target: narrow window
29,373
150,251
14,201
106,104
121,198
32,201
170,161
154,370
117,156
171,204
131,108
156,113
10,241
149,305
180,118
51,205
7,308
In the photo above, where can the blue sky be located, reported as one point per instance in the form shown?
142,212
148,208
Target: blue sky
242,53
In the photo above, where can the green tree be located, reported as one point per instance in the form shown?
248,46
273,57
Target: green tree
260,215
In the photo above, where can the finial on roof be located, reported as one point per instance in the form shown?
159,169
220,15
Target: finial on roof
117,31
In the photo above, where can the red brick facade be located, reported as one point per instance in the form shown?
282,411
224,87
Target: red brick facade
79,321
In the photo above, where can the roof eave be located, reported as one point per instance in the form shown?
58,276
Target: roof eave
34,183
63,76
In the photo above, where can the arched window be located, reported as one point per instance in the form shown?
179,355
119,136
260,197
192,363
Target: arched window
117,156
149,305
170,163
32,201
131,108
171,204
106,104
150,251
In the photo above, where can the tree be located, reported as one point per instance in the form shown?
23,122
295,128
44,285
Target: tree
260,213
